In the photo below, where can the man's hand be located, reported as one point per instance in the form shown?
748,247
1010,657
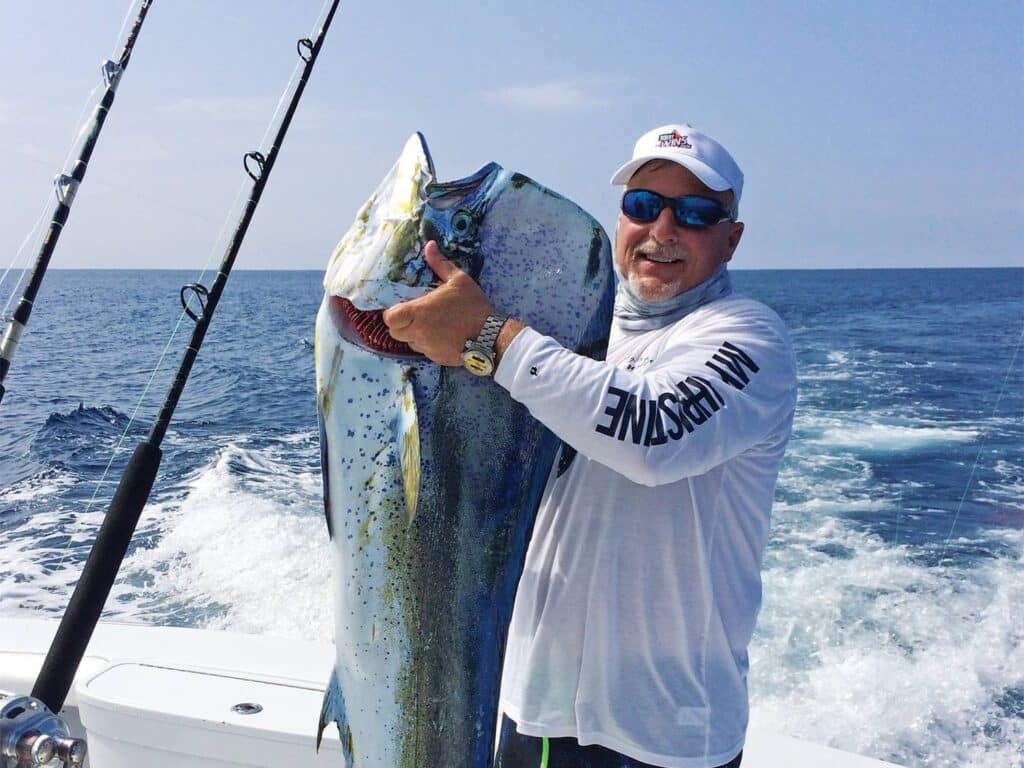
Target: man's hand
438,324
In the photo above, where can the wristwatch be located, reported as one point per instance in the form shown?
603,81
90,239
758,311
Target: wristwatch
478,354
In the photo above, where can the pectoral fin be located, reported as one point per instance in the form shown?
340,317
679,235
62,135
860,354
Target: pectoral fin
409,447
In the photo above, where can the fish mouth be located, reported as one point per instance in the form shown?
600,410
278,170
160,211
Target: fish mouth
365,328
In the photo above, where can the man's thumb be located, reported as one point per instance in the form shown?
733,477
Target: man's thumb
436,260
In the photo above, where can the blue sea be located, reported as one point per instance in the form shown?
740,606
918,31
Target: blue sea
894,581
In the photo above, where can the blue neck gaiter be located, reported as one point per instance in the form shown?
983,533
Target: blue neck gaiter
635,314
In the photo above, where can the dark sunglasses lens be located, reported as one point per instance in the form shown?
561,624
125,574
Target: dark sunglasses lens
694,211
642,205
690,210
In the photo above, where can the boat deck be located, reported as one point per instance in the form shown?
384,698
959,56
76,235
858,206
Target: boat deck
297,666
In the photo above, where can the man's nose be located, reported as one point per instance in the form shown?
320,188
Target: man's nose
664,229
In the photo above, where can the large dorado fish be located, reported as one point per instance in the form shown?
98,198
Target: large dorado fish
432,476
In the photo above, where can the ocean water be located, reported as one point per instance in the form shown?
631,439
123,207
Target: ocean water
894,581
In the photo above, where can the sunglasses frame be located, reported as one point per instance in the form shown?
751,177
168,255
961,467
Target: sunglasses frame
674,203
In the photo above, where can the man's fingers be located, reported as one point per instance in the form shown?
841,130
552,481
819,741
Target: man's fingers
438,323
397,317
436,260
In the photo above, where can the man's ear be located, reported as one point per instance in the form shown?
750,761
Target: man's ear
735,234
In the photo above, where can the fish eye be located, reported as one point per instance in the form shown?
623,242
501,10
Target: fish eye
462,222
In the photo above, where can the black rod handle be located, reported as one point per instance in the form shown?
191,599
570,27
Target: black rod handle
83,611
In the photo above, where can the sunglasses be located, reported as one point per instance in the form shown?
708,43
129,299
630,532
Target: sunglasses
690,210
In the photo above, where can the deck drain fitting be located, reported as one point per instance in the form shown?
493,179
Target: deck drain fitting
247,708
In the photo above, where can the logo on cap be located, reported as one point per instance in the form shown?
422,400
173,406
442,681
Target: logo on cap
674,139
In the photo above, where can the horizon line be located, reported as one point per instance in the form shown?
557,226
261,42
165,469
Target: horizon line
731,269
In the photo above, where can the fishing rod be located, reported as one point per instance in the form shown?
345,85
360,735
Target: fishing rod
84,608
66,187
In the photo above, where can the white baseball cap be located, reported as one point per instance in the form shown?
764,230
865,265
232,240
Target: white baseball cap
704,157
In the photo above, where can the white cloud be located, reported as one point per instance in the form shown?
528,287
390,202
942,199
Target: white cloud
555,95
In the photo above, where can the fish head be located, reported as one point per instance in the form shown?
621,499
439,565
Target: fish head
454,216
527,246
380,262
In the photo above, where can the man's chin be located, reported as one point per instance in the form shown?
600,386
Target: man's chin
654,289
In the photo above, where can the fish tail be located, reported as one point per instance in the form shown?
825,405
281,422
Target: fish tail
333,711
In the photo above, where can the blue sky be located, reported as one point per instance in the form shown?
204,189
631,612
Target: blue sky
872,134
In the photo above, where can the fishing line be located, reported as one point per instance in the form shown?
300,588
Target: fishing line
319,19
977,458
118,446
296,71
230,216
124,25
156,368
32,235
78,130
215,248
113,539
271,124
83,125
66,186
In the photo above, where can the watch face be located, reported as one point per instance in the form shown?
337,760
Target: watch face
477,362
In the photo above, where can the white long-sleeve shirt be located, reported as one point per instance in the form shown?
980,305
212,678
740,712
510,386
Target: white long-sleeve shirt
642,582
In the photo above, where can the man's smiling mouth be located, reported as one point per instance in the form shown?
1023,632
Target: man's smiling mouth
658,258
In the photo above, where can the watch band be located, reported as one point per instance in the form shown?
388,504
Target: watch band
478,354
489,333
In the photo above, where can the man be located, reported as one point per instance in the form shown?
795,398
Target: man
628,641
